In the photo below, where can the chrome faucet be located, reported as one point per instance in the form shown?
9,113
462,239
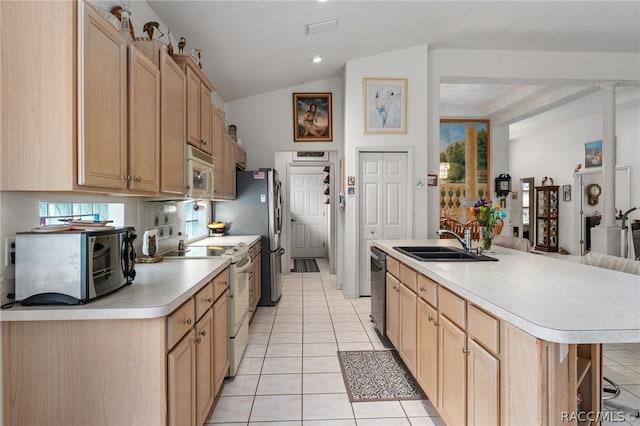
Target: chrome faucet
466,242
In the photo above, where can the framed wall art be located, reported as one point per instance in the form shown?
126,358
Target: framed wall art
385,105
593,154
464,164
566,192
312,120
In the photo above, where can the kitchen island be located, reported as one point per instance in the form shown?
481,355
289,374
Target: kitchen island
517,341
153,352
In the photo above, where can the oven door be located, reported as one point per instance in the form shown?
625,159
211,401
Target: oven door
240,274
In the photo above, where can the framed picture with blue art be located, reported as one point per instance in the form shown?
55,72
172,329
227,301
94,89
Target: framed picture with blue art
385,105
593,154
464,164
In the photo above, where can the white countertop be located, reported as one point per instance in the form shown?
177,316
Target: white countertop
227,240
157,290
549,298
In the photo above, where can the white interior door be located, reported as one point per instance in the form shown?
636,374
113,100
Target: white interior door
308,212
383,205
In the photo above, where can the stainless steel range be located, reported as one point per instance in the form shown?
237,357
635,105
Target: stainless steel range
239,271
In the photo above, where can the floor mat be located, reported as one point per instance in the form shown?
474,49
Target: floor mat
305,265
377,376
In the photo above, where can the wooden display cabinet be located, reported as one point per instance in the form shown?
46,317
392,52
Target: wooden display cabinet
547,225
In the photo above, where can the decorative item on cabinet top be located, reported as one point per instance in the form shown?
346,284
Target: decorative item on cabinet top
150,27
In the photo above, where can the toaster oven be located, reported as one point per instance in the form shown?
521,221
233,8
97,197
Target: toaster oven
72,267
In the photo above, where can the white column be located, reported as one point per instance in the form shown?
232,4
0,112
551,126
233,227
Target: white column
470,172
609,155
606,237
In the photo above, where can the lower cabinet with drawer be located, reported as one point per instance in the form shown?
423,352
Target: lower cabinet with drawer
477,369
198,342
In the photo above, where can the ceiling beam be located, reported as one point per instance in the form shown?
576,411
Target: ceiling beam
540,101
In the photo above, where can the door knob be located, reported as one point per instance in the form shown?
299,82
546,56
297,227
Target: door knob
293,220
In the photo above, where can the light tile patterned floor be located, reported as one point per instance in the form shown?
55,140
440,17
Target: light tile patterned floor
622,365
290,374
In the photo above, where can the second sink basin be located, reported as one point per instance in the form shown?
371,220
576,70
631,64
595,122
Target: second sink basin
441,254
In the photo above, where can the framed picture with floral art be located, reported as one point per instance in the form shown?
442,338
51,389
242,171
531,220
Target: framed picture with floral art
312,117
385,105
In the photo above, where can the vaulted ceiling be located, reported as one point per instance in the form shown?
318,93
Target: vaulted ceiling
254,47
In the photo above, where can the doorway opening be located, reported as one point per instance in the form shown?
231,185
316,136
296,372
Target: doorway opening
528,207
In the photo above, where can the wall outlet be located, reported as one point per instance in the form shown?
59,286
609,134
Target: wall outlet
9,251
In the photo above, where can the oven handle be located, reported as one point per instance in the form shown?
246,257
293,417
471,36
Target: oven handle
243,265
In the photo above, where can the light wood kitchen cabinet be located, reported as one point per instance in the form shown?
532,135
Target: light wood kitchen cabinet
199,91
102,102
229,168
205,383
427,350
470,363
97,128
452,377
181,382
393,310
224,158
205,119
38,147
217,140
144,123
173,110
221,339
241,157
407,327
146,371
483,390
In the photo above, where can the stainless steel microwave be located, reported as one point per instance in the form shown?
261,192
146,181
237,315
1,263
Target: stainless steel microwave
72,267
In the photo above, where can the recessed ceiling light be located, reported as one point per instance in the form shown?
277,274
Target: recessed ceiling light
316,59
321,1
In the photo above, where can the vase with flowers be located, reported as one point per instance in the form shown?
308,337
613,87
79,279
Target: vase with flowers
487,215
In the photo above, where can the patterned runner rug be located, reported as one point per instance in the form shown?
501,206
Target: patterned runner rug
377,376
305,265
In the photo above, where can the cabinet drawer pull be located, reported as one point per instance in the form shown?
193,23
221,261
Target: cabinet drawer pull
187,321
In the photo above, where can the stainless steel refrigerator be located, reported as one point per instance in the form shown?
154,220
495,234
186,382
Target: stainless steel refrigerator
257,210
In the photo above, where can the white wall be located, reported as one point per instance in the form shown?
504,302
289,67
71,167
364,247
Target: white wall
410,64
265,122
553,143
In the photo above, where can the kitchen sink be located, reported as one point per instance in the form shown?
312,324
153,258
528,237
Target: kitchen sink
441,254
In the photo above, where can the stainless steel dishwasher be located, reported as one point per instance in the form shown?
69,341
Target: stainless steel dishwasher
378,289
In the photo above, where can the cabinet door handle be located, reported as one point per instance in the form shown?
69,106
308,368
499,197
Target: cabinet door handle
204,142
209,299
466,351
423,289
431,318
203,333
187,321
198,340
137,179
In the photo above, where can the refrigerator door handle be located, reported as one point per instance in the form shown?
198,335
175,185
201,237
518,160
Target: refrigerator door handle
280,251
